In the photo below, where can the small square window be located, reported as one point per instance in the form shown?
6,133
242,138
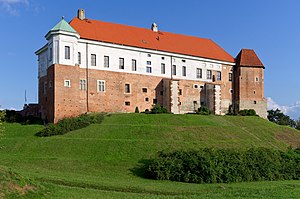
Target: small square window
195,102
148,62
163,58
255,102
195,86
148,69
127,103
154,101
144,90
67,83
147,99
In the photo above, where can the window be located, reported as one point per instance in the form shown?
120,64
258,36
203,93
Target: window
199,73
67,83
149,55
127,103
82,84
231,91
163,68
127,88
67,52
163,58
50,56
144,90
148,62
183,70
254,92
133,64
79,58
45,87
183,61
255,102
208,74
106,61
147,99
195,86
154,101
100,85
201,87
121,63
148,69
174,70
218,75
93,60
230,77
257,79
180,91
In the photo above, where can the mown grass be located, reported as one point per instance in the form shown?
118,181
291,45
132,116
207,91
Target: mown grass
100,160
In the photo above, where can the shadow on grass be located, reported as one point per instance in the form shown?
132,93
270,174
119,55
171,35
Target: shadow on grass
141,169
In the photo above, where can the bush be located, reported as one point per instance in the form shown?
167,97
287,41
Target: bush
70,124
12,116
203,110
137,110
157,109
211,165
2,116
247,112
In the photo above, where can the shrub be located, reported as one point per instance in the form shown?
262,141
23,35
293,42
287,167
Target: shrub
70,124
211,165
2,116
203,110
247,112
137,110
158,109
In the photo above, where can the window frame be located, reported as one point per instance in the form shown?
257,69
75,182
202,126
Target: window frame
133,65
121,63
93,60
101,86
184,71
79,58
127,88
68,85
106,61
148,69
82,84
219,75
199,75
209,74
163,68
174,70
67,52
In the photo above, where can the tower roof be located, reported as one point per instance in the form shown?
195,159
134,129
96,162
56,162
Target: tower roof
247,57
63,26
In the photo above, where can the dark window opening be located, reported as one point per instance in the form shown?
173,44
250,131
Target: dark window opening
154,101
144,90
127,103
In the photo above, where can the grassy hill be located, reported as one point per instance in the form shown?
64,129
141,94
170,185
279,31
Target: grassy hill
101,160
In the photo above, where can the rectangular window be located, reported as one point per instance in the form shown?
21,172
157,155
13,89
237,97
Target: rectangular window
144,90
199,73
230,77
100,85
174,70
219,76
133,65
183,70
51,54
148,69
79,58
67,52
208,75
121,63
127,103
148,62
127,88
106,61
45,88
93,59
82,84
163,68
67,83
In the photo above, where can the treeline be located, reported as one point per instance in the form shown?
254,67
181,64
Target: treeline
210,165
280,118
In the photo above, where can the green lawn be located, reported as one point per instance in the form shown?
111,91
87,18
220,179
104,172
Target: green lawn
100,160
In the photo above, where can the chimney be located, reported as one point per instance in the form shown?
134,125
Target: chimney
154,27
81,14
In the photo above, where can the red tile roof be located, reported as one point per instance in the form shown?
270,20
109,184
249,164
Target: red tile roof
146,38
247,57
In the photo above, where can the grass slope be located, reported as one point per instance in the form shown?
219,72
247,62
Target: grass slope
100,160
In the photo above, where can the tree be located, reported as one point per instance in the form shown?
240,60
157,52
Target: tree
297,126
280,118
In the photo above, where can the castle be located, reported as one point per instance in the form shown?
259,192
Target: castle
93,66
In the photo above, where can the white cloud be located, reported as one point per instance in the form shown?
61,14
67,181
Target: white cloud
11,5
291,110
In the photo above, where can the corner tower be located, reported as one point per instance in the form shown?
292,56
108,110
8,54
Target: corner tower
249,83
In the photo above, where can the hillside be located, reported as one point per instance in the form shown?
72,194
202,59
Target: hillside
103,158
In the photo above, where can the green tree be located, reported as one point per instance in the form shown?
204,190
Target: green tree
297,126
280,118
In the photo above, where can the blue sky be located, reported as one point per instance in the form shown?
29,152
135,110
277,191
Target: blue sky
270,27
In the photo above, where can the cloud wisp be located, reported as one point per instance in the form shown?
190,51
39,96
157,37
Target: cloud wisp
291,110
11,6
